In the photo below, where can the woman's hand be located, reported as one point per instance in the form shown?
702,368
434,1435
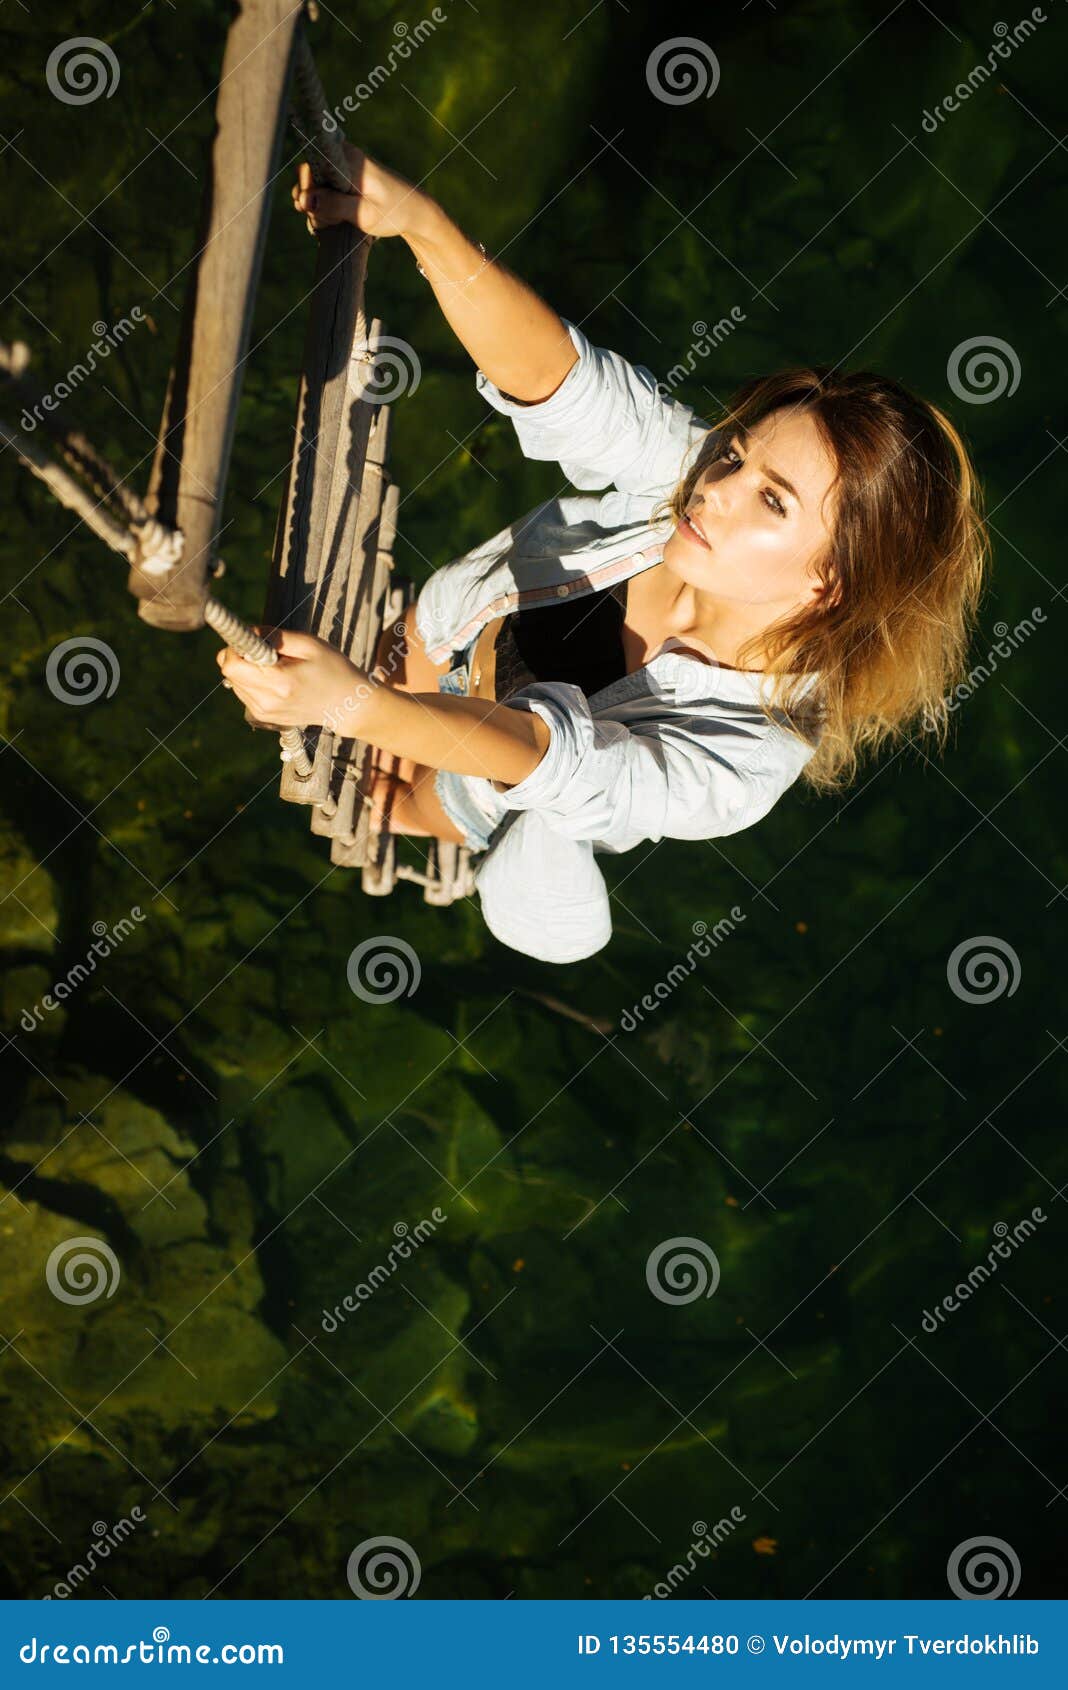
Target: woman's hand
312,684
384,203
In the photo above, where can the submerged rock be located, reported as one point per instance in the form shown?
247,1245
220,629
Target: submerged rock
132,1306
29,908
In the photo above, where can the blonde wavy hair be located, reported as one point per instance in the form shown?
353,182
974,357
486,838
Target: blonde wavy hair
905,569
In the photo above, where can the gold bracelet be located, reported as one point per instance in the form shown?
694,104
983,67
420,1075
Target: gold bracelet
466,279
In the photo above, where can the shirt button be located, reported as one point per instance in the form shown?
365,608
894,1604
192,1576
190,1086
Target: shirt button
562,592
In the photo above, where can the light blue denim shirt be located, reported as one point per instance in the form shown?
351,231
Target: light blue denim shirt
681,749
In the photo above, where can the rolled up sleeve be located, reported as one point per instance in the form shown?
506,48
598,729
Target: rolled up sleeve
607,424
599,779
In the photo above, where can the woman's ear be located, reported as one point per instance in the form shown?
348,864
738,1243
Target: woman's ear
826,586
825,594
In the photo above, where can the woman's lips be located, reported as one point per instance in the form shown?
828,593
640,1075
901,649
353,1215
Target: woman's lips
689,532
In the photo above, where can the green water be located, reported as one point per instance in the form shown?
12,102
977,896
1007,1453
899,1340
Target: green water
814,1103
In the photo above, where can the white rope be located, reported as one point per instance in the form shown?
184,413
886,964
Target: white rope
115,513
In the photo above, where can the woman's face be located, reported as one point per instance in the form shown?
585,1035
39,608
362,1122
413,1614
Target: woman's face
760,516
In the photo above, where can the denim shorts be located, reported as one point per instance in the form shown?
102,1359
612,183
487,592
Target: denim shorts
469,801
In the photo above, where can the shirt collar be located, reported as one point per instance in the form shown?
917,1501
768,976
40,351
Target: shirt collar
689,677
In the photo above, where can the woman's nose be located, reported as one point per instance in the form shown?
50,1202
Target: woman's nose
712,501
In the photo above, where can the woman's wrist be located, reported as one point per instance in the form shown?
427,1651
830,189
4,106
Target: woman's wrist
345,718
442,252
426,226
470,736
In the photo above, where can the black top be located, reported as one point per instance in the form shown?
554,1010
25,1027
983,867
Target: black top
577,639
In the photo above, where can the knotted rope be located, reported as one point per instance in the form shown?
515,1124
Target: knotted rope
88,485
117,515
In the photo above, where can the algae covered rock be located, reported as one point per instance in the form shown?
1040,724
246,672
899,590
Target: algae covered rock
136,1311
29,911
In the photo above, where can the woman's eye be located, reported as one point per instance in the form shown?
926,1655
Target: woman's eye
774,502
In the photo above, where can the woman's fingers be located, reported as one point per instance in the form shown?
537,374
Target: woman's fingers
229,685
323,207
306,200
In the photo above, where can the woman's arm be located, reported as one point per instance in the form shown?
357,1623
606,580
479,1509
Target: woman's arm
312,683
515,339
469,736
609,423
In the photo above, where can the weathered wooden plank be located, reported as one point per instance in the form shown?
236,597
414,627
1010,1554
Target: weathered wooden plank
341,563
318,558
365,607
347,592
189,477
381,601
322,410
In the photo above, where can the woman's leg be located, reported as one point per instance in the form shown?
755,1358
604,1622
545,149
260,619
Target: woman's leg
402,791
410,804
401,660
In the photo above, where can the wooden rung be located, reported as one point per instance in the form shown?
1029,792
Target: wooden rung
346,818
354,852
314,789
320,822
378,878
452,877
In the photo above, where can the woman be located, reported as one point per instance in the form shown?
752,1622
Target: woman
754,602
